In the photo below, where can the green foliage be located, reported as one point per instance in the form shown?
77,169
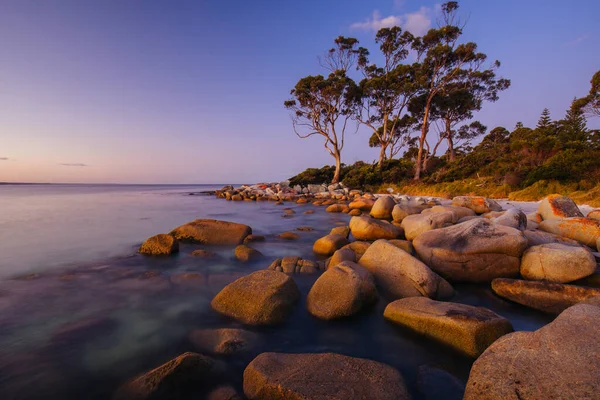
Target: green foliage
313,176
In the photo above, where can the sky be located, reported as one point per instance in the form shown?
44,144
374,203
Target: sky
157,91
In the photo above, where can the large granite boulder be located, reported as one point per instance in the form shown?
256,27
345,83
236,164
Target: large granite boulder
210,231
584,230
401,211
366,228
160,245
295,265
327,245
414,225
343,290
278,376
468,329
398,274
478,204
556,262
170,380
473,251
513,218
556,206
382,209
262,298
548,297
558,361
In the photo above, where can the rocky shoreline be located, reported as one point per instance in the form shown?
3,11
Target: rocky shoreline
408,252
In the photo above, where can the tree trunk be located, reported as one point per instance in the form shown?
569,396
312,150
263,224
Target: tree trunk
450,141
382,155
338,167
424,129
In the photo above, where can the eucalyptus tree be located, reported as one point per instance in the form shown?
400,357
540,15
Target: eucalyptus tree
591,103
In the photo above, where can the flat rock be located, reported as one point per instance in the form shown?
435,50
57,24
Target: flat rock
210,231
584,230
556,262
325,376
478,204
556,206
160,245
558,361
366,228
548,297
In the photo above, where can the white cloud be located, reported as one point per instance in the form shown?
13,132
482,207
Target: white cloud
417,23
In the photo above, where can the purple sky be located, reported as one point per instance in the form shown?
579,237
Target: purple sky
145,92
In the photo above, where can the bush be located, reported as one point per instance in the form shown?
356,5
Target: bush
313,176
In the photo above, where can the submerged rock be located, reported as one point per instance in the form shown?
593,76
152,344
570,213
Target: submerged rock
548,297
205,254
254,238
210,231
245,253
435,384
278,376
556,262
558,361
223,341
473,251
556,206
261,298
367,228
478,204
468,329
584,230
288,236
160,245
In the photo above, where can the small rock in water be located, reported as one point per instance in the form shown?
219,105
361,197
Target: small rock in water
160,245
288,236
245,253
327,245
254,238
226,341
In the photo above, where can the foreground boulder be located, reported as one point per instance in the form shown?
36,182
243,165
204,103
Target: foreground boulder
382,209
473,251
295,265
513,218
245,253
261,298
169,380
226,341
343,290
556,206
478,204
558,361
327,245
556,262
160,245
548,297
278,376
584,230
414,225
398,274
366,228
210,231
468,329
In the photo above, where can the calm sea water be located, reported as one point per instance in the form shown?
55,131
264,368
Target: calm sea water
81,312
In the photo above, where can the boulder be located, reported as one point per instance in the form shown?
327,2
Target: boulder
366,228
513,218
556,206
305,229
354,213
362,204
594,214
261,298
404,245
288,236
467,329
398,274
382,209
584,230
343,290
341,230
327,245
168,381
414,225
206,254
279,376
535,217
401,211
556,262
558,361
358,247
295,265
435,384
536,238
245,253
160,245
478,204
459,212
474,251
254,238
548,297
210,231
341,255
337,208
225,341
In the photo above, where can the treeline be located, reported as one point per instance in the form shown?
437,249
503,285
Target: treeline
414,109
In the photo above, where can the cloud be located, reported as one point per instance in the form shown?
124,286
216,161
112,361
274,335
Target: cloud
4,158
580,39
73,165
417,23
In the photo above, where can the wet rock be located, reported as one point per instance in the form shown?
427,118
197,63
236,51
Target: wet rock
309,212
513,218
478,204
363,204
584,230
245,253
289,236
327,245
205,254
558,361
398,274
261,298
341,291
289,211
414,225
169,380
295,265
474,251
382,208
337,208
192,280
556,262
278,376
210,231
160,245
305,229
435,384
366,228
536,238
556,206
225,341
341,255
254,238
358,247
548,297
468,329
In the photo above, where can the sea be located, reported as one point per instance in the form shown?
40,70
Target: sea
81,312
